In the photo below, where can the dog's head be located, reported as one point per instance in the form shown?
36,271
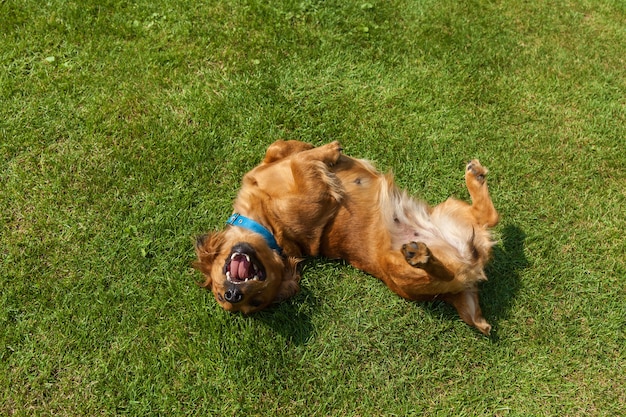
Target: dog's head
243,272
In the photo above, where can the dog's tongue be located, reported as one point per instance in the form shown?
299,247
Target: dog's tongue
239,268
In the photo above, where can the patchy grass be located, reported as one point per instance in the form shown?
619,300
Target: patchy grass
125,130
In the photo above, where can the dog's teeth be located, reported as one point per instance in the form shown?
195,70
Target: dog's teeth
233,255
247,258
228,277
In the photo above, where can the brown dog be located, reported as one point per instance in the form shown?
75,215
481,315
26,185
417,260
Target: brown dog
305,201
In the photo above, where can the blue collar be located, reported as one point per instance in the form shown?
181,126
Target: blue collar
238,220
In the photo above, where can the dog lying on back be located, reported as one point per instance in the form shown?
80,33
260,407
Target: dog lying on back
306,201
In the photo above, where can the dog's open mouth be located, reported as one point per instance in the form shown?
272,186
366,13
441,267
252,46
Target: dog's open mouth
241,267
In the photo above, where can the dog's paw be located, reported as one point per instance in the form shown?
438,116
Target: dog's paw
332,152
416,254
476,170
483,326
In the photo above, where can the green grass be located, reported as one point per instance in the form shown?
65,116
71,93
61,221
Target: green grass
125,129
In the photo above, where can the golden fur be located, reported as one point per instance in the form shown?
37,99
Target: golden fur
317,201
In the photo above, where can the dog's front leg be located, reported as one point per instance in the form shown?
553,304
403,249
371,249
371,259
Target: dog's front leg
311,172
483,210
328,154
283,148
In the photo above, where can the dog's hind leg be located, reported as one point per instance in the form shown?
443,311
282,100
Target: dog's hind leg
482,207
418,255
466,303
415,283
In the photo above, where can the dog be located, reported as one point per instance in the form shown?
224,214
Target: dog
306,201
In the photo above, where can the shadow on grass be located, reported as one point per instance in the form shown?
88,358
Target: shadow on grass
509,259
291,319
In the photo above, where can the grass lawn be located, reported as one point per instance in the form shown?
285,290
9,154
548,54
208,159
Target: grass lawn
125,129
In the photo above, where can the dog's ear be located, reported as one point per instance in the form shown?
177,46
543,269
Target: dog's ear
291,279
207,248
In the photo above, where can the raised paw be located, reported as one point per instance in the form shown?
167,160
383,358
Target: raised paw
475,169
332,152
416,254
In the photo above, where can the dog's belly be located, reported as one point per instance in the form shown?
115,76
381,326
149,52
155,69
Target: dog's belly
403,233
375,218
370,210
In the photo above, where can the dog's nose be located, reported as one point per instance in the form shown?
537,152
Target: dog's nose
233,296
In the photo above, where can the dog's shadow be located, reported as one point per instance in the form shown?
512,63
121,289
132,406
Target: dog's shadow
498,293
292,319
